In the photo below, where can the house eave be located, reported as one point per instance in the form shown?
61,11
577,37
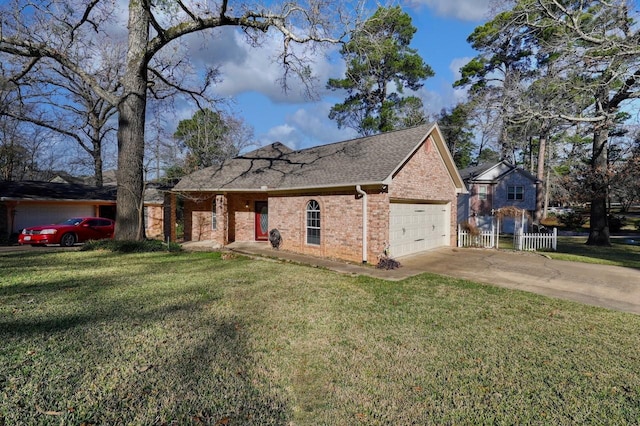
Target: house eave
265,189
56,200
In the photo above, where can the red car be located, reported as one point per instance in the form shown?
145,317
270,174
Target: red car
69,232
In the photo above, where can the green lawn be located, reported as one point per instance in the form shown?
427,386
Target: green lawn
190,338
623,251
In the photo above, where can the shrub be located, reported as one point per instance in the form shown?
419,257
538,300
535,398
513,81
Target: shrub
387,263
616,223
572,220
129,246
472,229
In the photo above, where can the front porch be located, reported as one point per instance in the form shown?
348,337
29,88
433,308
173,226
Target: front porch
224,218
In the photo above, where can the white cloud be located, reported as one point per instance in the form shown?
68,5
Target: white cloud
306,127
315,124
247,68
283,133
467,10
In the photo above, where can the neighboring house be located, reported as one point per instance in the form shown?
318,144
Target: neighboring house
59,176
494,186
29,203
346,200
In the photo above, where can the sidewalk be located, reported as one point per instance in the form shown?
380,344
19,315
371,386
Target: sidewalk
265,250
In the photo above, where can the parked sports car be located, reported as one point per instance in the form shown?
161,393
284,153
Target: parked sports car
69,232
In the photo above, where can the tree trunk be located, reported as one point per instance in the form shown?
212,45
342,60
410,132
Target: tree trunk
540,189
131,123
599,227
97,166
547,184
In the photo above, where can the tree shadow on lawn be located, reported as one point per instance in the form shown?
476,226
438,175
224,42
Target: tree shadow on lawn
621,252
46,275
172,356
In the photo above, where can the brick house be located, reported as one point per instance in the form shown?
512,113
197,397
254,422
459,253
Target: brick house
346,200
493,186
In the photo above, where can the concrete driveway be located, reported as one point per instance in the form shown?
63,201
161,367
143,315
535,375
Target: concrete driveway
611,287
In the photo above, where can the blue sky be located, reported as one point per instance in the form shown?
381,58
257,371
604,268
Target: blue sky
249,75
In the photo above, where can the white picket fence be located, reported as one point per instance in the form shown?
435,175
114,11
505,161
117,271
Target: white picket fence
536,241
486,239
530,241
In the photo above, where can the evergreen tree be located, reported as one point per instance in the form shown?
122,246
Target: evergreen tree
458,133
380,66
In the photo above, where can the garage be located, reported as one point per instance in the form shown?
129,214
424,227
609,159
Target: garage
415,227
41,214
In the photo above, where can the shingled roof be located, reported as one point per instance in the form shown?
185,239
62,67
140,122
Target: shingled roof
472,173
37,190
364,161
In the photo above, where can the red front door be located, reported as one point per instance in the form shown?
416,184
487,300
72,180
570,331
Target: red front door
262,221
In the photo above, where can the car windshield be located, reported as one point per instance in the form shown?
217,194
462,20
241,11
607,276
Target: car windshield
74,221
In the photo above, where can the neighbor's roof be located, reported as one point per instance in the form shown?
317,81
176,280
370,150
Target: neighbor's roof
474,173
364,161
38,190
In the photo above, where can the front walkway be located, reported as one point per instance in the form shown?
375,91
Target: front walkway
265,250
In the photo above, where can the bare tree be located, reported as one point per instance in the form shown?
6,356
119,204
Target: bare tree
61,101
496,75
64,31
598,44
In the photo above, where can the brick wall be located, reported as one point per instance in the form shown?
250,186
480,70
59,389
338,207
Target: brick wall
482,207
198,218
235,217
154,221
340,223
241,208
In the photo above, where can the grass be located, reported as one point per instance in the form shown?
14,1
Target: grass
623,252
192,338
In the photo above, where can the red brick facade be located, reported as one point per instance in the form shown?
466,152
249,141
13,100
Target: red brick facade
154,221
423,178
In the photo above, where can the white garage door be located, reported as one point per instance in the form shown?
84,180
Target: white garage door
32,215
418,227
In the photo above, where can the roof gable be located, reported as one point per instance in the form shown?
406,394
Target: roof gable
492,172
362,161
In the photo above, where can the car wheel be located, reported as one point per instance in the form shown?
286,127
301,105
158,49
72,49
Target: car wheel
67,240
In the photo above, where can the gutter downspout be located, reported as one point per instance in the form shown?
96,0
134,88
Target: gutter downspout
364,222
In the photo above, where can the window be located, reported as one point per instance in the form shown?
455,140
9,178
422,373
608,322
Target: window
515,193
482,192
313,222
214,219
